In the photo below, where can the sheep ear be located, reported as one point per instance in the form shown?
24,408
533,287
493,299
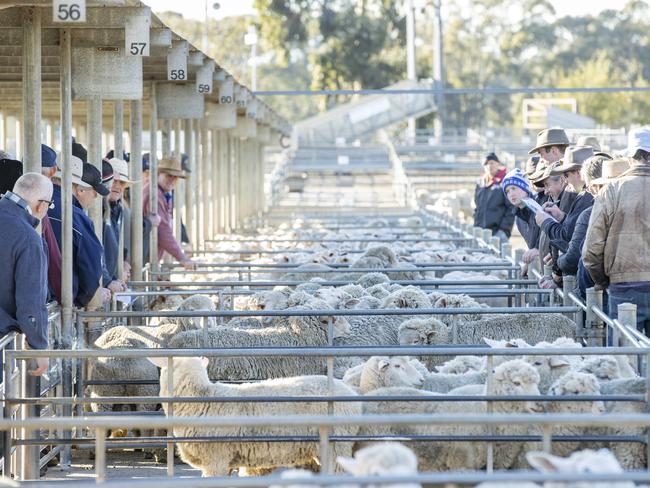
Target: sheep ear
352,302
205,361
544,462
160,362
442,303
559,361
347,463
383,364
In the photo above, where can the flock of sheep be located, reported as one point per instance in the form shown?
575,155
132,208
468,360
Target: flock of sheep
320,320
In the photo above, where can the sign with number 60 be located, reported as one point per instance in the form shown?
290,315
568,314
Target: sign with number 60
69,11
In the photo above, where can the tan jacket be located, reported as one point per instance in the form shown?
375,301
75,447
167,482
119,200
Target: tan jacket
617,245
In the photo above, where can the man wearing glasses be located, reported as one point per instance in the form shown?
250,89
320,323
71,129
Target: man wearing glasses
23,277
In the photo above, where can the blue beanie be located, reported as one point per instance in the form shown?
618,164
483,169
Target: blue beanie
48,157
517,178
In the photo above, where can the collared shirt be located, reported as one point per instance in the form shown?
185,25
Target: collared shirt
20,201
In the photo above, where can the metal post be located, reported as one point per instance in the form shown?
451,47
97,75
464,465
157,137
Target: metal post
179,192
29,469
31,85
195,185
198,185
568,285
411,73
118,128
593,324
67,324
100,455
7,413
486,235
94,127
438,69
190,150
219,180
136,191
205,181
153,178
170,413
214,184
626,316
166,134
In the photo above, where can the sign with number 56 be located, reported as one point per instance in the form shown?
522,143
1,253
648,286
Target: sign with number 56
69,11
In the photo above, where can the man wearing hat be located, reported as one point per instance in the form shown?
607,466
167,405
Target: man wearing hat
115,221
492,208
169,171
48,169
87,251
617,247
555,223
551,144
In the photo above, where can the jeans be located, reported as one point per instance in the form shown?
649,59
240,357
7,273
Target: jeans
642,301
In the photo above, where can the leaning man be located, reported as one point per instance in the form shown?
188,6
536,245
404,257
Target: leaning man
23,277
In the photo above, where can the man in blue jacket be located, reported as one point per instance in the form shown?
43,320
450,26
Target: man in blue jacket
87,251
23,275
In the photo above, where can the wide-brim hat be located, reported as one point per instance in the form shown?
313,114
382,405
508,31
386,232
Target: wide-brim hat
531,165
573,159
545,173
171,166
550,137
612,169
637,139
589,141
539,172
121,170
77,172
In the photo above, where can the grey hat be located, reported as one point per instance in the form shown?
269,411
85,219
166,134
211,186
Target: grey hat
589,141
550,137
573,159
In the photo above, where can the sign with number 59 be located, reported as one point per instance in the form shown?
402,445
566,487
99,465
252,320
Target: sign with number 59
69,11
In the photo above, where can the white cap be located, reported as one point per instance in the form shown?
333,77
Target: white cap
120,170
77,172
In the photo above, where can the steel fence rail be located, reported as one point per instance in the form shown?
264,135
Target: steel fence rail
437,283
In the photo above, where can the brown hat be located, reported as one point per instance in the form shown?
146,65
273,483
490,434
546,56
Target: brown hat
531,165
589,141
171,166
612,169
539,172
550,137
573,159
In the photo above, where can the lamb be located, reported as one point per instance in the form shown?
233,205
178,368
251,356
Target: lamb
382,371
190,379
275,299
529,327
605,368
462,365
408,297
291,331
387,459
550,369
510,378
369,280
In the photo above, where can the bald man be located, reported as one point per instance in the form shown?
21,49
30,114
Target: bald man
23,275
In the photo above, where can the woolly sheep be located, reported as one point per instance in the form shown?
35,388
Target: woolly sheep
385,459
377,257
378,291
352,376
382,371
363,303
309,287
291,331
369,280
478,276
462,365
291,474
190,379
510,378
354,290
245,323
406,275
408,297
270,299
425,331
308,271
605,368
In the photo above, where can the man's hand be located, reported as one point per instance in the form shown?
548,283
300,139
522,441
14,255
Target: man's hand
554,210
116,286
548,259
541,217
126,275
154,219
531,255
188,264
106,296
42,365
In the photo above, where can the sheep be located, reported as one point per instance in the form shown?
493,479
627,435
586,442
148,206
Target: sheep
550,369
354,290
378,291
446,383
190,379
421,331
369,280
605,368
385,459
308,271
275,299
414,369
298,298
406,275
363,303
245,323
290,474
309,286
408,297
291,331
462,365
381,371
377,257
529,327
510,378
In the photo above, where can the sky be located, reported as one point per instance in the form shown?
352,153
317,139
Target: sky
196,8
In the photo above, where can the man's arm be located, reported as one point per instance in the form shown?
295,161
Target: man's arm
166,240
31,292
593,253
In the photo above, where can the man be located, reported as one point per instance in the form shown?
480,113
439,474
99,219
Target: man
86,249
551,144
48,169
115,221
169,171
555,223
617,248
493,211
23,278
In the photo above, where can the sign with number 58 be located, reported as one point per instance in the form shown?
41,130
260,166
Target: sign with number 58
69,11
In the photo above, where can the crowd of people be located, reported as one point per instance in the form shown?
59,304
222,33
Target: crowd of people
32,222
581,211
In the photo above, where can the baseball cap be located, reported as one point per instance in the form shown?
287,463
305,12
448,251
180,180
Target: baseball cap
93,178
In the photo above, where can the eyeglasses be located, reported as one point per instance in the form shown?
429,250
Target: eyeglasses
50,204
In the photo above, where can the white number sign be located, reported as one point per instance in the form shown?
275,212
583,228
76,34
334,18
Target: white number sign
69,11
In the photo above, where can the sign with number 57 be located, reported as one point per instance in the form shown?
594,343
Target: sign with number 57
69,11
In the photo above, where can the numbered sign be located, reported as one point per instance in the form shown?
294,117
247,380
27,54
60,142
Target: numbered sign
136,35
69,11
204,78
241,97
177,62
226,92
251,109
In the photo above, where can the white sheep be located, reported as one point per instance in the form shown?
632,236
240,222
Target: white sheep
382,371
384,459
291,331
379,291
462,365
605,368
369,280
190,379
407,297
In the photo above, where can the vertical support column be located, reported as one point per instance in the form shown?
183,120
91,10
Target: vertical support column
234,170
593,324
31,124
137,250
198,244
214,183
118,128
67,324
166,133
179,192
94,123
205,182
227,144
153,177
189,195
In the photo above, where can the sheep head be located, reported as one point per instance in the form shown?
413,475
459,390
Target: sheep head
416,332
517,377
576,383
191,369
605,368
387,458
382,371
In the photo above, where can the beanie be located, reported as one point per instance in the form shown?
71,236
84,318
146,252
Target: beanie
491,157
517,178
